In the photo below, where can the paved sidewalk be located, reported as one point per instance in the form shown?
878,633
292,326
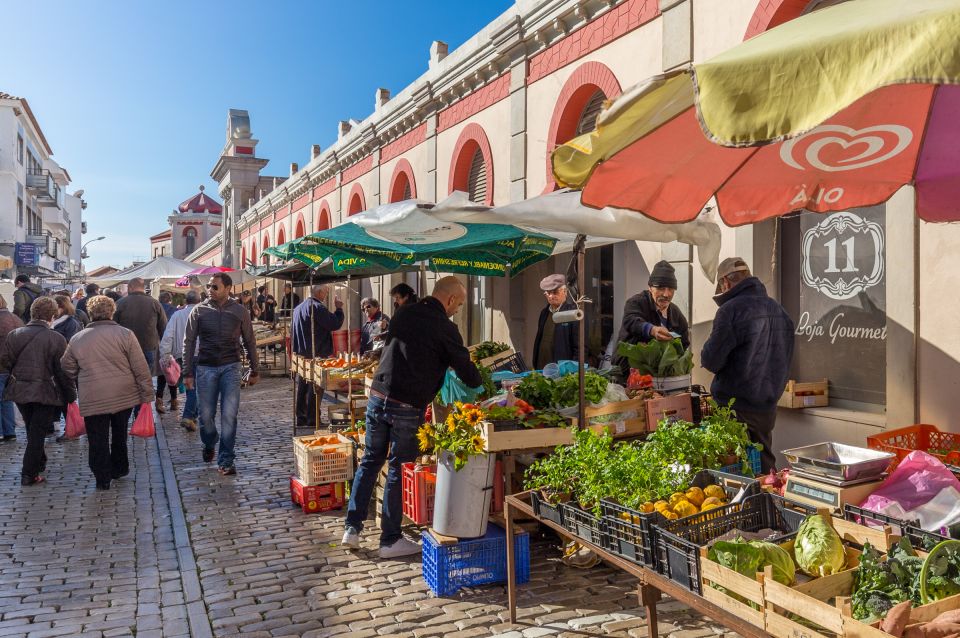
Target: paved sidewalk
176,550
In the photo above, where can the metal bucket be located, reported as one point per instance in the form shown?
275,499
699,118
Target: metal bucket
462,500
671,384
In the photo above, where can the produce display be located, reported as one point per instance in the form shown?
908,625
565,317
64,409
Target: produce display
658,358
749,557
487,349
818,548
544,393
649,476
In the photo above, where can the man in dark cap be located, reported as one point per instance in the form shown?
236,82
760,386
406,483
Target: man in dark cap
749,351
652,314
555,341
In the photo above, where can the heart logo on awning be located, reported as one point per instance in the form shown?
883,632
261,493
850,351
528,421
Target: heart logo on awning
834,147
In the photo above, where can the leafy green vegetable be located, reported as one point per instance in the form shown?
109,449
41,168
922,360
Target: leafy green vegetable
880,584
489,386
537,390
546,419
503,413
818,548
567,389
784,571
738,555
658,358
487,349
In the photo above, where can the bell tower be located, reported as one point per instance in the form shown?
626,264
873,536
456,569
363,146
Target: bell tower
238,173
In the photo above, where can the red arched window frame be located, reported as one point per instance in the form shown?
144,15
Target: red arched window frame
281,236
253,252
356,202
402,181
301,229
323,218
264,257
472,138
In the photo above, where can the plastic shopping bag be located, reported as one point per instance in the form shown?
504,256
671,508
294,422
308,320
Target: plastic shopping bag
171,370
454,390
920,488
75,427
143,426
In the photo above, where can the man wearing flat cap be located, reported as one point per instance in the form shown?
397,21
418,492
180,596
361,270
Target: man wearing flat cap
749,352
652,314
555,341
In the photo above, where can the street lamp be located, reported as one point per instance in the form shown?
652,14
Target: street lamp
83,249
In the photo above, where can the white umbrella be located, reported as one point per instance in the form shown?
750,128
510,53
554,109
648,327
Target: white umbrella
157,268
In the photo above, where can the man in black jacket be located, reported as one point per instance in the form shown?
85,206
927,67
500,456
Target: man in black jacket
652,314
310,337
211,360
749,351
555,341
421,345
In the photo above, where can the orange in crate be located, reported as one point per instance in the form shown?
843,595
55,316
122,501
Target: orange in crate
926,438
419,487
316,498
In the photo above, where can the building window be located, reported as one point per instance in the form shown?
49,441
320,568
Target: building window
588,117
833,286
19,212
20,149
477,178
190,240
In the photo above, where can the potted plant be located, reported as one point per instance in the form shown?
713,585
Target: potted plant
725,438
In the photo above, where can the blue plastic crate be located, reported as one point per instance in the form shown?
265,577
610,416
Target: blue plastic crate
753,458
478,561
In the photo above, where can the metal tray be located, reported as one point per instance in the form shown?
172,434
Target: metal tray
839,461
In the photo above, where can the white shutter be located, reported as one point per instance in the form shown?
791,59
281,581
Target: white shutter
477,178
588,118
407,194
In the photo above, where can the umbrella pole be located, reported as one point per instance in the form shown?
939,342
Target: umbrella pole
349,357
579,248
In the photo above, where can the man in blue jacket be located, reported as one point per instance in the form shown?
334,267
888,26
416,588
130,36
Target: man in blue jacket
749,351
310,337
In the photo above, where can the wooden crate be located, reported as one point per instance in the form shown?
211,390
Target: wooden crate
629,426
813,394
525,439
678,407
494,358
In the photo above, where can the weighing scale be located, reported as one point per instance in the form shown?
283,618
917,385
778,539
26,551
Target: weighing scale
819,491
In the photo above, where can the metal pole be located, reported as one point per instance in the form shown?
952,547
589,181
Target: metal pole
579,248
349,357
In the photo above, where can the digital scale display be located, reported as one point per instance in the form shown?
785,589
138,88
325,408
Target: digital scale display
817,494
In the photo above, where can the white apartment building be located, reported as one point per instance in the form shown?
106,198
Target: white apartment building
40,224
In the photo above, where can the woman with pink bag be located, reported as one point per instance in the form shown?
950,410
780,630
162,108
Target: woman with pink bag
112,377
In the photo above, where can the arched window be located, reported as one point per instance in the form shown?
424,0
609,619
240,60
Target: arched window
189,239
588,118
264,257
477,178
402,186
243,257
281,237
356,204
253,252
323,221
471,170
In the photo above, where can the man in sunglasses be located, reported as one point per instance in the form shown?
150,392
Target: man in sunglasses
211,361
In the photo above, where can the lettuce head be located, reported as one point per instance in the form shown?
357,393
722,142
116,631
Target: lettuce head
818,548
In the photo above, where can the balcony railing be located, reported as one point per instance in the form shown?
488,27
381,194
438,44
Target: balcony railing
43,186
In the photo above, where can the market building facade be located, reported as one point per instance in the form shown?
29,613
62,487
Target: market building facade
41,224
484,118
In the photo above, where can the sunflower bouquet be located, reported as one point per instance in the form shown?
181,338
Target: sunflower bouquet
458,434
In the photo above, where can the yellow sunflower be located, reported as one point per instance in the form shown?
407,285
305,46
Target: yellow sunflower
473,417
451,424
477,442
425,437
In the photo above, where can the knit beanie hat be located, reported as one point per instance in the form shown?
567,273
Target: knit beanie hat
663,275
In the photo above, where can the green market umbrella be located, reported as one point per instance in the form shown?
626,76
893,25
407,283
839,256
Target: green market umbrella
405,233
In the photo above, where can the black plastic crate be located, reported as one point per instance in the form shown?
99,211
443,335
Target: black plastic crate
545,510
630,534
679,541
865,517
583,524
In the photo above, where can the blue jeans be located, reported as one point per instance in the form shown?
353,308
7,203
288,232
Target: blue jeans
391,437
8,417
219,384
190,406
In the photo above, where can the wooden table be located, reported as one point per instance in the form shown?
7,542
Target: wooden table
652,585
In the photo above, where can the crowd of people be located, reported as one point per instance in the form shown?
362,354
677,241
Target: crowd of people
113,354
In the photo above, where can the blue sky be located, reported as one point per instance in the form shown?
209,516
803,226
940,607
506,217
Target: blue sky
133,96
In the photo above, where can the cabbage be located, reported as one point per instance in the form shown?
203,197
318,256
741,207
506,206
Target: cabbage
784,571
818,548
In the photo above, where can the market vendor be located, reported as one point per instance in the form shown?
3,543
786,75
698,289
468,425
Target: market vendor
374,324
555,341
421,345
652,314
310,336
749,351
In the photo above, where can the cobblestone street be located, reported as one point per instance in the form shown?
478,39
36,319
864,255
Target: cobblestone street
175,549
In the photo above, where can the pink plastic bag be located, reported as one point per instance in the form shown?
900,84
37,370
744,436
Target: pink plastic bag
171,371
143,426
75,427
920,488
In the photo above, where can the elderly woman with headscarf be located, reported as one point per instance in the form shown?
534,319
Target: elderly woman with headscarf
37,383
112,377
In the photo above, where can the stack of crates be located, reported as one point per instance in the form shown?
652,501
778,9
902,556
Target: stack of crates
419,483
324,464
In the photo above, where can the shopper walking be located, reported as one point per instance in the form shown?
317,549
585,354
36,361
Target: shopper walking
246,300
92,290
421,345
37,383
310,337
145,317
749,352
211,363
24,295
171,345
166,302
8,417
106,361
79,315
66,322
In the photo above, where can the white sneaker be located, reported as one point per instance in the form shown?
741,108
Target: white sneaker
402,547
351,539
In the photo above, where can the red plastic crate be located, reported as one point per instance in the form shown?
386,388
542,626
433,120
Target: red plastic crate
316,498
926,438
419,485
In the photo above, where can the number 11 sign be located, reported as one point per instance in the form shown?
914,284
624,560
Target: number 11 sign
843,255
